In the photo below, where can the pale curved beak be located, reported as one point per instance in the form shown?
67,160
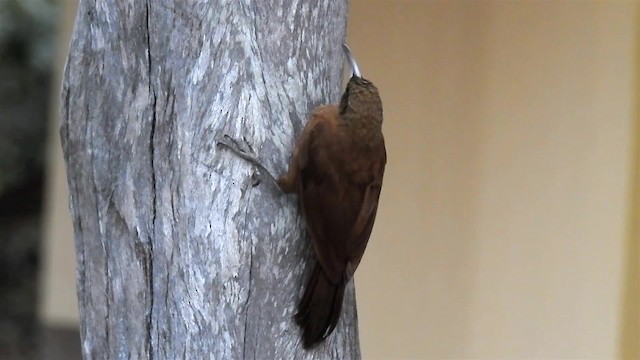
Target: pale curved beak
355,70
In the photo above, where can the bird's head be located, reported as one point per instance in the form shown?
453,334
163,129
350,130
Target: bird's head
361,97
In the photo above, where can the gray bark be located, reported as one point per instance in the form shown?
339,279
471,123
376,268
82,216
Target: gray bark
180,254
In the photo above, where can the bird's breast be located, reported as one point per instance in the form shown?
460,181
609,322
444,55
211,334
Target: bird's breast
352,164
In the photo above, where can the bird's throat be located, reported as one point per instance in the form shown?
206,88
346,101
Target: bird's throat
364,130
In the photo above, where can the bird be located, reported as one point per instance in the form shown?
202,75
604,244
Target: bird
336,170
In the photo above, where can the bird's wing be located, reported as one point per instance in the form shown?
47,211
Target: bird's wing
359,236
289,182
330,203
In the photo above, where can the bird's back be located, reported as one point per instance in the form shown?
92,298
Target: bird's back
334,183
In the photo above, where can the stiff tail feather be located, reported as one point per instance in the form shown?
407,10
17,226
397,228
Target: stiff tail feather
319,308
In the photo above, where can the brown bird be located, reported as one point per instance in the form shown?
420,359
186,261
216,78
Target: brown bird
336,170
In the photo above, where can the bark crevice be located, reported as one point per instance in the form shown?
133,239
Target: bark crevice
247,320
152,232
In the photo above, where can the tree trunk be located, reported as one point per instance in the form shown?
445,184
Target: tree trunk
181,252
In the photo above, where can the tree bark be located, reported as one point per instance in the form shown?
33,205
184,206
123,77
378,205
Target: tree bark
181,252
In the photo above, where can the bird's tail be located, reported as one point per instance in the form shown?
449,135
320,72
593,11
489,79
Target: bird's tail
319,309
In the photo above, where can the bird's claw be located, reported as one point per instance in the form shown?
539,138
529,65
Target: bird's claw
247,154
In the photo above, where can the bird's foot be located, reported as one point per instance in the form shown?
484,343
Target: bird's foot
247,154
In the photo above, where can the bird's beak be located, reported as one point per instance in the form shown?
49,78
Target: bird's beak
355,70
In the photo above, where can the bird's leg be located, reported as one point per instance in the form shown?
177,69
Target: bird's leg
248,154
289,181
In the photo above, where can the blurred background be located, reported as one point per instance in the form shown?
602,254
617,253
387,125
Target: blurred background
509,224
28,69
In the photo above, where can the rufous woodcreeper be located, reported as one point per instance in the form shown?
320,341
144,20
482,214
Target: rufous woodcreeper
336,170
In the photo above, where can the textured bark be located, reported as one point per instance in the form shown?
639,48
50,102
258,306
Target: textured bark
180,254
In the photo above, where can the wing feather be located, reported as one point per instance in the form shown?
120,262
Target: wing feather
338,210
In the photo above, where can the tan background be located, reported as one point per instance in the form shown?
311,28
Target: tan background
508,221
